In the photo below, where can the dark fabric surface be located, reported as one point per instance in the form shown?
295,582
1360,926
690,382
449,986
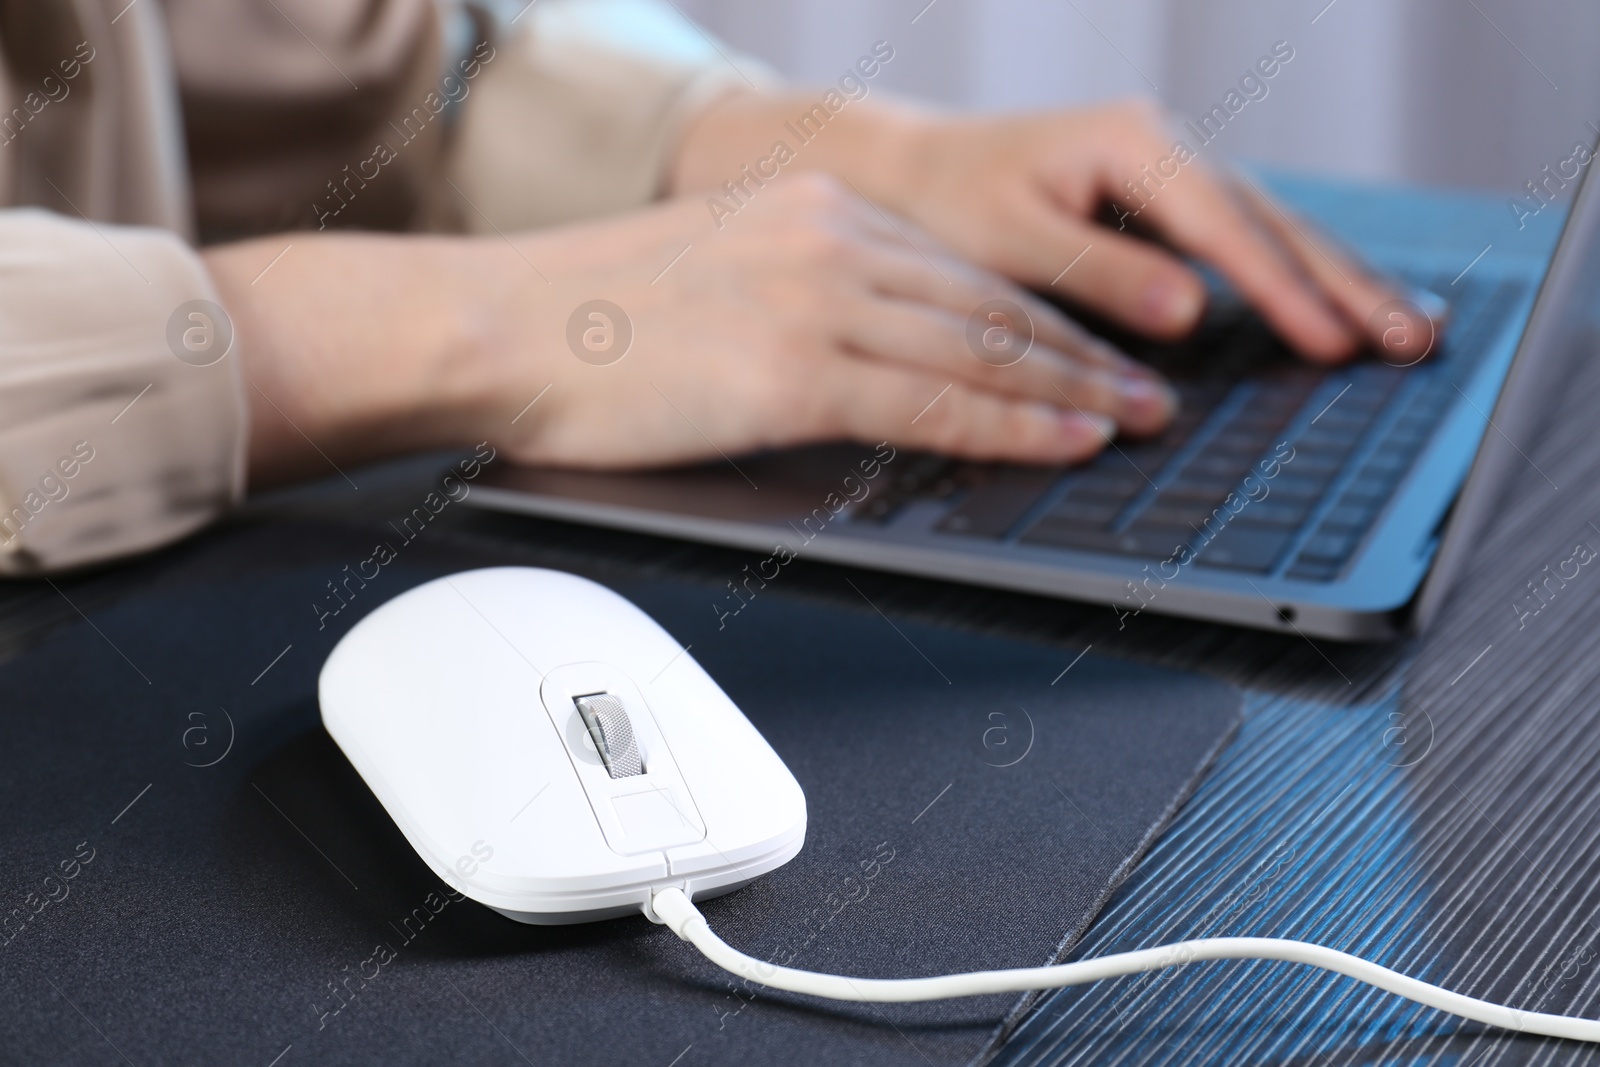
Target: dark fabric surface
221,911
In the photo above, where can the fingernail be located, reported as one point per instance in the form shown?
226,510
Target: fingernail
1149,396
1127,367
1104,426
1430,303
1169,302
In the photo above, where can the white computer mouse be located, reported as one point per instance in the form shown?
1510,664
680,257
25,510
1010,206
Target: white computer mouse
552,752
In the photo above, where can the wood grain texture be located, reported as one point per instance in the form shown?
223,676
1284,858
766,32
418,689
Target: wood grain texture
1429,803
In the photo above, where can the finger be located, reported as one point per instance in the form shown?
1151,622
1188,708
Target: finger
1354,289
1197,215
878,402
900,270
964,287
939,341
1129,280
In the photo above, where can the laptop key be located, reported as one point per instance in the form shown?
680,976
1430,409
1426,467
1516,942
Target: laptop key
1349,517
876,510
1406,437
1366,494
1313,571
1433,400
1348,422
1387,463
1154,542
1298,488
1263,426
1317,463
988,512
1147,459
1329,547
1052,533
1092,511
991,510
921,472
1325,437
1219,468
1209,490
1183,515
924,477
1246,547
1377,376
1158,541
1106,485
1270,512
1236,438
1358,405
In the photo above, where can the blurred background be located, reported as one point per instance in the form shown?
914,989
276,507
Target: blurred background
1477,93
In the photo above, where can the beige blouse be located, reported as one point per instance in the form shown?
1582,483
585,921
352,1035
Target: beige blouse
137,129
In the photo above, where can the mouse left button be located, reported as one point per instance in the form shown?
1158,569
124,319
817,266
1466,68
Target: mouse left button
612,733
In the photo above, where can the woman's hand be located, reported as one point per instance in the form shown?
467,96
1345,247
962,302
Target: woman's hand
808,317
1020,196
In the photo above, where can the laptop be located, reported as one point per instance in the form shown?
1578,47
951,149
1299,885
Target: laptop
1333,502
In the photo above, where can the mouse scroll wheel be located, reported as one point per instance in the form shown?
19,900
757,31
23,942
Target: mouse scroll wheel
612,734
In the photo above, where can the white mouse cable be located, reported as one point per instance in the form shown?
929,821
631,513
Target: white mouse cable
685,920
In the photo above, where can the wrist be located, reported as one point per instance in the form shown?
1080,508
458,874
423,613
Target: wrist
353,347
882,150
874,144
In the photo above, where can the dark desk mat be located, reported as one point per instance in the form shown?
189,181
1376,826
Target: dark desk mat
971,806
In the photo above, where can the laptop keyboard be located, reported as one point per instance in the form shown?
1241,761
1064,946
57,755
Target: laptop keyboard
1336,441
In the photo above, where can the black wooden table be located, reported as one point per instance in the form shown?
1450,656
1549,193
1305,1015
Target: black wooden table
1428,803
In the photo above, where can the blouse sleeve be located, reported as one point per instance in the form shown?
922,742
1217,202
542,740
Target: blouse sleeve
578,109
122,412
122,406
